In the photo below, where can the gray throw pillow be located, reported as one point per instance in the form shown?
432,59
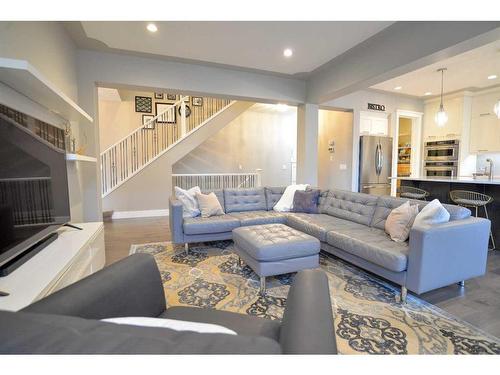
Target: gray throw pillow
306,201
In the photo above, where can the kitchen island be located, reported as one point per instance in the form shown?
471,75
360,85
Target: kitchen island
440,187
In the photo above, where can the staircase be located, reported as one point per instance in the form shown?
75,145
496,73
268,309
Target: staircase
168,130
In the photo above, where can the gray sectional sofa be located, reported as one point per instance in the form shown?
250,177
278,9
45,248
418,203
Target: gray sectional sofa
351,226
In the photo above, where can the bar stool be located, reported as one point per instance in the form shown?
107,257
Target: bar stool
413,193
475,200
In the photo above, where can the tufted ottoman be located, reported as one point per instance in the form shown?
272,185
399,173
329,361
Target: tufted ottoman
275,249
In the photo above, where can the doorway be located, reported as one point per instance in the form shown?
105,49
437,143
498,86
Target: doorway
407,146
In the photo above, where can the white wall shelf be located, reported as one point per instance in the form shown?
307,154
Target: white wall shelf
78,157
21,76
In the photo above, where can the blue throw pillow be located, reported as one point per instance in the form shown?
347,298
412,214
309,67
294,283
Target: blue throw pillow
306,201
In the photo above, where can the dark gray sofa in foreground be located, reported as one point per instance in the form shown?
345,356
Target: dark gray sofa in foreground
351,226
68,321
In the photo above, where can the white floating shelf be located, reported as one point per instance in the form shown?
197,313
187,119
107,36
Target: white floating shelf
21,76
78,157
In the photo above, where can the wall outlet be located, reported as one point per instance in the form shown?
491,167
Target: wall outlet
283,167
240,167
343,167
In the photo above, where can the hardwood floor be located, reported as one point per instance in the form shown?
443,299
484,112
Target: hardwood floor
478,303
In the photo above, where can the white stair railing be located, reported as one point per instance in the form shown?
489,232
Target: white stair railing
213,181
132,153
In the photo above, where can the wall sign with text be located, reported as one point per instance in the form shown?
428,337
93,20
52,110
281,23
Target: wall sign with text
376,107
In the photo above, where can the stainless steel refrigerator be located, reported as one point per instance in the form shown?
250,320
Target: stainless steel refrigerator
375,163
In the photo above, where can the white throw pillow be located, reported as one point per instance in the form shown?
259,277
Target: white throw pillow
285,204
398,223
188,199
177,325
433,213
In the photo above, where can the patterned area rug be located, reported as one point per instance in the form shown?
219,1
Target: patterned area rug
367,317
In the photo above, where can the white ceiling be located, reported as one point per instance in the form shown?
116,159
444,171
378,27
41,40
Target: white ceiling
469,70
253,45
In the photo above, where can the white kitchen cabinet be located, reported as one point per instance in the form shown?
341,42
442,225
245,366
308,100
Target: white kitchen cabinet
484,134
371,125
454,107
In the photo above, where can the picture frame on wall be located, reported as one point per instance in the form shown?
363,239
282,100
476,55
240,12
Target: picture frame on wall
159,95
145,119
170,117
143,104
197,101
188,111
171,97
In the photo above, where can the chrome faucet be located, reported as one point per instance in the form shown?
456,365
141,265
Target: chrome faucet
490,171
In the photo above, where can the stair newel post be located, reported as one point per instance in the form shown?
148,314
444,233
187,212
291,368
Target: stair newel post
183,118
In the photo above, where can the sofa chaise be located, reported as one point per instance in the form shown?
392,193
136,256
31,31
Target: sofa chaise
69,321
350,226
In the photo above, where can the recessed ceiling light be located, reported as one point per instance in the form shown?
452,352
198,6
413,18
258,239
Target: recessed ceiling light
493,76
152,27
427,93
287,52
398,88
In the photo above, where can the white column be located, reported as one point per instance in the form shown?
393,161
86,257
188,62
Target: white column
307,144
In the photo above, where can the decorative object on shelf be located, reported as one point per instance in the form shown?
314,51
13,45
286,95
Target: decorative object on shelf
158,95
170,117
145,122
143,104
197,101
171,97
441,117
67,136
73,145
186,98
187,111
496,109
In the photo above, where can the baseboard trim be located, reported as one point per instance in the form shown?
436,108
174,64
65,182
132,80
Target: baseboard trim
117,215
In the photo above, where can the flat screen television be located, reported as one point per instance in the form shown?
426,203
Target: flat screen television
34,196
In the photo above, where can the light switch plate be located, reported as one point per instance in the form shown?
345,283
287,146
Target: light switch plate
343,167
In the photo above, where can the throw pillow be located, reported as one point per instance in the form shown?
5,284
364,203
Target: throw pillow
398,223
209,205
176,325
285,204
188,199
433,213
306,201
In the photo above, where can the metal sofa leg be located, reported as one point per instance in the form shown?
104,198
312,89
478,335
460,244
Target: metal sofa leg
461,284
402,295
262,285
186,248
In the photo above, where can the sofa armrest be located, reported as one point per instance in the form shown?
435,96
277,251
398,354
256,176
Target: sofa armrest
129,287
307,326
175,220
447,253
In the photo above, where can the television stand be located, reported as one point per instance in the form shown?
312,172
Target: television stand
73,255
22,258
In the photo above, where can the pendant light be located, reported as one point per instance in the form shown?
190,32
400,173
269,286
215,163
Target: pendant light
496,109
441,117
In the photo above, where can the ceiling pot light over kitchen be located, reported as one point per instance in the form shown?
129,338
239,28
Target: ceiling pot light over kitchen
441,117
152,27
496,108
397,88
287,52
427,93
493,76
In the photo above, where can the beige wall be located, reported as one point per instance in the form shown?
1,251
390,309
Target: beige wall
261,137
335,169
50,50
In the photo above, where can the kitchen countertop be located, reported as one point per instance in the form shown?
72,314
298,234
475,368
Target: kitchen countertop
462,180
